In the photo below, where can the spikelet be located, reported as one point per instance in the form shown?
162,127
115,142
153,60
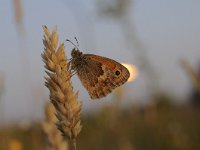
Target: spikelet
58,82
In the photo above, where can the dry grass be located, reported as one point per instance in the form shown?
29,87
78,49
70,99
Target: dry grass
58,82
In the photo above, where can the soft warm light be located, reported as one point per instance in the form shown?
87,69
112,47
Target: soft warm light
133,71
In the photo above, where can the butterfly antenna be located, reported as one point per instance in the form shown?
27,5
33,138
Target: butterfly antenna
76,46
76,41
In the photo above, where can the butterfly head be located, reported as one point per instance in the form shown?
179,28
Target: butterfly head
75,53
77,59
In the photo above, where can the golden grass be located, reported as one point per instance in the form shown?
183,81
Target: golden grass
58,82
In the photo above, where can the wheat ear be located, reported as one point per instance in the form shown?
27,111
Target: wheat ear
58,82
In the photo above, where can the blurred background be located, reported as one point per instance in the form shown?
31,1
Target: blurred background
158,110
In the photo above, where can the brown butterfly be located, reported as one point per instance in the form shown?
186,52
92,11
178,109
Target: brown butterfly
98,74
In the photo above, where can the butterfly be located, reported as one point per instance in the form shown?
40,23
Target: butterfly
98,74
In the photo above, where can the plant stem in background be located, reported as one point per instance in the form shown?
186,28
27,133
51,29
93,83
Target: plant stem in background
54,139
194,75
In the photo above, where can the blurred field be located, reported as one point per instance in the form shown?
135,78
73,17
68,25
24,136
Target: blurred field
161,126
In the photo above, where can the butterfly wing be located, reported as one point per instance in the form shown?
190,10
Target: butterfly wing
100,75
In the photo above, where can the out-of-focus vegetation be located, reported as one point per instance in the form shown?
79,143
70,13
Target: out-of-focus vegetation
160,126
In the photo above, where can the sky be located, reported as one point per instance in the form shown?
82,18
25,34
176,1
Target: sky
168,29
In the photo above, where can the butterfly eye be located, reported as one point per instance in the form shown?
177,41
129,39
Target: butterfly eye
117,72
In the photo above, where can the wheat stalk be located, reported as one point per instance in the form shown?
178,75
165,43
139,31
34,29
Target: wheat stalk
58,82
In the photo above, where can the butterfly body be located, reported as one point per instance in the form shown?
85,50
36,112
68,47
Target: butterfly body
98,74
